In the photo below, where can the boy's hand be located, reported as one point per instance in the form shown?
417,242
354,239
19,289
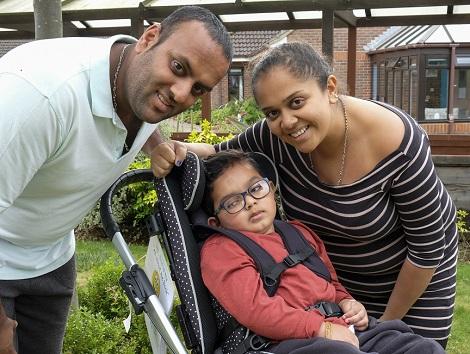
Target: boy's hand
338,332
354,314
165,155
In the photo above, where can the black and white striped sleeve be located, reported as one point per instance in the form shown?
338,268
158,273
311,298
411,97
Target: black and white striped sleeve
417,195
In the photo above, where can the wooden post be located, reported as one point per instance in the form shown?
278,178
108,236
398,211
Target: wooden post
48,19
352,42
206,106
327,34
137,22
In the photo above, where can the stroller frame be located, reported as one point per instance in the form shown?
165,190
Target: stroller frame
134,281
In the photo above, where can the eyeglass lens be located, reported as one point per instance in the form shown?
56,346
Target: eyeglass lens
237,202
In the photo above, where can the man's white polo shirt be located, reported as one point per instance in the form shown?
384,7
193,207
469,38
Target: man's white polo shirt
60,148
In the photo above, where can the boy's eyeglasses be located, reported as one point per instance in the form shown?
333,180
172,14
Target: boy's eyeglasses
235,203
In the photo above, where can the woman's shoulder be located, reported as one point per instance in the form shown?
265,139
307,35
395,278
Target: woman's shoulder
379,130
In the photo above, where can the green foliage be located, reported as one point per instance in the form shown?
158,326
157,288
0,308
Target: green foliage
142,196
233,117
102,293
91,333
462,226
131,205
96,327
206,135
464,234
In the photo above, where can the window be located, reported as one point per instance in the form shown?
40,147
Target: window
462,88
235,84
414,87
375,80
381,79
436,87
397,88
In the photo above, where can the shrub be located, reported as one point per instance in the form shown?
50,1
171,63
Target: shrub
464,234
89,332
131,205
103,307
462,226
233,117
206,135
103,293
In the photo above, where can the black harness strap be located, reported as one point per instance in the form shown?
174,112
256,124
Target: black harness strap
298,245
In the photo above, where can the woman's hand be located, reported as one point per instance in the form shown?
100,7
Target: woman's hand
338,332
354,314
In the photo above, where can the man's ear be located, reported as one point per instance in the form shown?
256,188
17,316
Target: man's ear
148,38
213,221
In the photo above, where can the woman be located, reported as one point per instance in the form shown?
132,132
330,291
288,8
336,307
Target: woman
359,173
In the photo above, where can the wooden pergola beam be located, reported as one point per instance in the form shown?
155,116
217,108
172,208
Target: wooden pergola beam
413,20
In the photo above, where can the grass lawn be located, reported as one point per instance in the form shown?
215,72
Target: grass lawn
458,342
91,253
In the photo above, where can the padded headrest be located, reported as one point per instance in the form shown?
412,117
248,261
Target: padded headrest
194,178
193,182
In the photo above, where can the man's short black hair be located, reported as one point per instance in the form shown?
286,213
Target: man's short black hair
212,24
217,164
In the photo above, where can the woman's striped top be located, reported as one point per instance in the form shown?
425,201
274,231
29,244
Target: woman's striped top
399,210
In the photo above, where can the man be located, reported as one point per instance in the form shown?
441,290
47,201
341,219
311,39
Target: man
74,113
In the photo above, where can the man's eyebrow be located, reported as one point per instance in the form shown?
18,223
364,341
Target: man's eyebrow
184,61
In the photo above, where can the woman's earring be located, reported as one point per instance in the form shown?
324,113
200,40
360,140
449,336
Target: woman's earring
335,99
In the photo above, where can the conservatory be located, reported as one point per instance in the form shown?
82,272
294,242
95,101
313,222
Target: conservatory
425,70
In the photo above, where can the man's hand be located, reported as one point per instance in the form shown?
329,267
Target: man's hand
7,327
338,332
166,155
354,314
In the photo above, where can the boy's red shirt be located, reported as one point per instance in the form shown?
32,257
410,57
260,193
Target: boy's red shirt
232,277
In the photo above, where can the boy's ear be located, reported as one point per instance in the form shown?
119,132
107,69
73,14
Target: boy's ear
213,221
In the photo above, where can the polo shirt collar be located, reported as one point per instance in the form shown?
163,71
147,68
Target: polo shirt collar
100,87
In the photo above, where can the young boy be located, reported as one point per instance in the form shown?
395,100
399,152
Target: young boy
241,199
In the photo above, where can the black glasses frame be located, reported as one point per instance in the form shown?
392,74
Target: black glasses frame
243,194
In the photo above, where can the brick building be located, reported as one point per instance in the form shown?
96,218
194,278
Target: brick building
247,44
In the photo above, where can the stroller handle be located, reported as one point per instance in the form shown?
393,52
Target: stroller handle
135,283
110,225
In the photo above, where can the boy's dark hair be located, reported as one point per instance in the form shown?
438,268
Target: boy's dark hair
212,24
300,59
218,163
